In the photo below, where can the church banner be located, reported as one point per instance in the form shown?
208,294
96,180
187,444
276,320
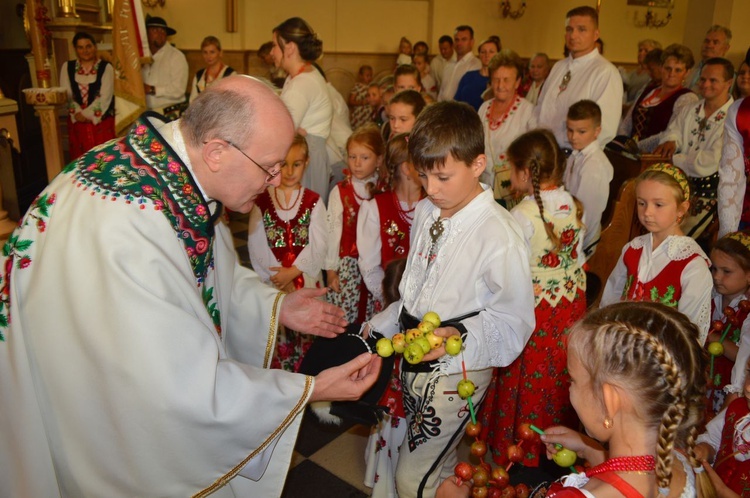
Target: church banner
130,46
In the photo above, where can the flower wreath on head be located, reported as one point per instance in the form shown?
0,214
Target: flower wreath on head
741,237
676,173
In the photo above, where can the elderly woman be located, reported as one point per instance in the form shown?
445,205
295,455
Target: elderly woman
474,83
635,80
504,117
653,108
89,82
305,93
215,68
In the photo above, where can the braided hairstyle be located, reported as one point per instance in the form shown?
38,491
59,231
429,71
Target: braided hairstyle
652,352
396,153
537,151
296,29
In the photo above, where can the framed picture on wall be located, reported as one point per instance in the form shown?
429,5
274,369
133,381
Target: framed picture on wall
651,3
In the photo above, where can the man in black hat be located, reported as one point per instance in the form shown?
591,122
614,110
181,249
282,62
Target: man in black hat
165,79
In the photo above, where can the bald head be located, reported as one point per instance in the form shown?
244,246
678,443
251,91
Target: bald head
236,109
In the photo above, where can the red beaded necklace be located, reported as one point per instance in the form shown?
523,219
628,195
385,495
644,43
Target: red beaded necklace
291,206
404,214
641,463
497,123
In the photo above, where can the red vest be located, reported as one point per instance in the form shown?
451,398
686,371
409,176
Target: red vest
348,246
734,473
287,238
743,126
394,228
665,288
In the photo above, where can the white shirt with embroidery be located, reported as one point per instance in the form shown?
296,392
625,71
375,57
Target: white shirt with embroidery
732,177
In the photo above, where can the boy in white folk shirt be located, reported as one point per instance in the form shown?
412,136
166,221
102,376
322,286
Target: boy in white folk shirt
468,262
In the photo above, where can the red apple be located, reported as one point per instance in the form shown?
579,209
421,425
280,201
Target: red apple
508,492
500,476
494,493
480,477
479,492
744,305
464,471
717,325
479,448
473,430
526,433
515,453
522,490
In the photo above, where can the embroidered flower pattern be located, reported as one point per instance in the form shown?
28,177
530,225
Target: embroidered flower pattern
16,251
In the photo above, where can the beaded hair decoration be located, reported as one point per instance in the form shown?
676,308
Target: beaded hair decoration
679,176
740,237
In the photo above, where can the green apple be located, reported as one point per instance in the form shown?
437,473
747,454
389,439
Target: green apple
426,327
399,343
435,340
453,345
384,346
423,343
565,457
432,317
716,348
413,353
465,388
412,334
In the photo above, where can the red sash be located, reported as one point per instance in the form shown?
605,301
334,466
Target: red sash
287,238
665,288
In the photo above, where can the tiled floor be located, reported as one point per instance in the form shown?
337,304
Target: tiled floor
329,461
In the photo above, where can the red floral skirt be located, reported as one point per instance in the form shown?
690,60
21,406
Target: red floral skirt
83,137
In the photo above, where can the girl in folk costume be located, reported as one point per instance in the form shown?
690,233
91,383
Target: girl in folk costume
535,386
365,151
730,267
89,82
664,265
726,443
637,384
287,243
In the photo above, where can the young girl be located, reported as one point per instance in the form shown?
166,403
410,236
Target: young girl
359,105
287,243
403,110
730,267
429,85
404,49
535,387
365,156
726,443
637,384
663,266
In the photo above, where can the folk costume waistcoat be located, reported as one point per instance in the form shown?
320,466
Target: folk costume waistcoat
348,245
733,458
394,228
665,288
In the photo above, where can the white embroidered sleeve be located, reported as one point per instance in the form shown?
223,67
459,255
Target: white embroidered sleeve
310,260
615,283
732,178
261,256
714,428
335,218
695,301
369,246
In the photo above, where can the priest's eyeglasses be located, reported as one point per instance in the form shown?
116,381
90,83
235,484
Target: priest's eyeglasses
272,173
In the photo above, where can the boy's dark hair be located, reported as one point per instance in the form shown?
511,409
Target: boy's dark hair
391,280
446,128
653,57
720,61
585,109
445,39
465,27
407,69
586,11
265,49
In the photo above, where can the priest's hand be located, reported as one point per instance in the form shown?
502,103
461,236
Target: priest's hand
347,382
302,311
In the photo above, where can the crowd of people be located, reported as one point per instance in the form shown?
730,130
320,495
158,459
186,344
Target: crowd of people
470,185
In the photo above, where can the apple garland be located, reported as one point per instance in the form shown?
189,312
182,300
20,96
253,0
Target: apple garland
716,348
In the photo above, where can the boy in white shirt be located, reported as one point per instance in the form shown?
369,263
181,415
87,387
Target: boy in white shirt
468,262
589,172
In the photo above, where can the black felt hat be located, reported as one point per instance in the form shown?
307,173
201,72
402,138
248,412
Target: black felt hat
327,353
159,22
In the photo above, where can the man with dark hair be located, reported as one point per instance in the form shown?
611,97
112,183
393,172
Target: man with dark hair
165,79
715,44
446,55
694,140
582,74
463,42
134,349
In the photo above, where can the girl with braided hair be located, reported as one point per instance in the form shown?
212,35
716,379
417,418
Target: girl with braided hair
534,387
663,265
638,384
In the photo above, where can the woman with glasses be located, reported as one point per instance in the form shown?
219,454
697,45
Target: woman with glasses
295,48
